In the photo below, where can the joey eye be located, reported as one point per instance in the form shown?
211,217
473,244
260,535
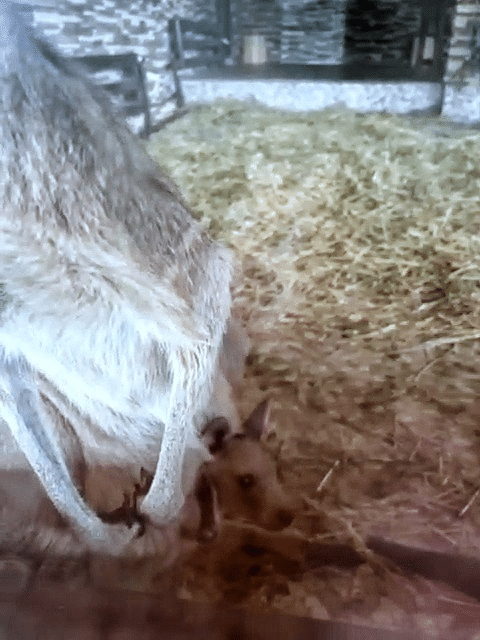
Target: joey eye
246,481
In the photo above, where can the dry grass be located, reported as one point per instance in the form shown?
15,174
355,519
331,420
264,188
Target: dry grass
359,236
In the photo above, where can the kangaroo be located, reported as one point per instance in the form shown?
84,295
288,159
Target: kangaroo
238,482
115,304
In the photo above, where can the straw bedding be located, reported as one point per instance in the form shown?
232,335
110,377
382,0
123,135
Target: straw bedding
359,237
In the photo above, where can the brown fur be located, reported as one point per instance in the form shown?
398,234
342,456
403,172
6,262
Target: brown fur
220,490
244,475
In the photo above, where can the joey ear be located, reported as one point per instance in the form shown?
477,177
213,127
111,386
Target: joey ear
214,434
256,425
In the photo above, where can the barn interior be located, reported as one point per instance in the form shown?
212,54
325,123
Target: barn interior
358,236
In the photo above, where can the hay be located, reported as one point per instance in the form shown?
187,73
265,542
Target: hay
360,241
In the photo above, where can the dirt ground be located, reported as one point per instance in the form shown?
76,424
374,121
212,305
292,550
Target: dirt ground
373,371
365,337
310,569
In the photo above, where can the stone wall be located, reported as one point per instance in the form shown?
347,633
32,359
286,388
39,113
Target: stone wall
461,100
84,27
466,14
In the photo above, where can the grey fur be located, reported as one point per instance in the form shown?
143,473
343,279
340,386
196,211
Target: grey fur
114,300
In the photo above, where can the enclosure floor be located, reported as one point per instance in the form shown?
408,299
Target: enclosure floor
373,459
36,606
271,573
66,602
344,224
